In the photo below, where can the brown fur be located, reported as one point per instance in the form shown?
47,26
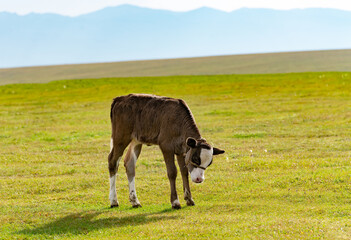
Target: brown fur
149,119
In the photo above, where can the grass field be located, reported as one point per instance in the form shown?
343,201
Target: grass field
285,173
284,62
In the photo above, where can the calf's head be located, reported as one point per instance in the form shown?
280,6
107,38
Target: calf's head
199,157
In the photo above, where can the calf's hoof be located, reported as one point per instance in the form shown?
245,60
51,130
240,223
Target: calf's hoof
134,201
176,204
136,205
114,204
190,202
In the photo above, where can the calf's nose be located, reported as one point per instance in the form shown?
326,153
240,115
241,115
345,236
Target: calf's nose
199,180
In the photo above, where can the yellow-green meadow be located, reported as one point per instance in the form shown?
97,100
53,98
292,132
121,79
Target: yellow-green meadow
286,173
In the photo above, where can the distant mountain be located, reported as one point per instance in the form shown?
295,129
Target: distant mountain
130,33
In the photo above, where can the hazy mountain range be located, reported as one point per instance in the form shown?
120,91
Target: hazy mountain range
129,33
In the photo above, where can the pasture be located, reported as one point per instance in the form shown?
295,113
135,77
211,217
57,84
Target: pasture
285,174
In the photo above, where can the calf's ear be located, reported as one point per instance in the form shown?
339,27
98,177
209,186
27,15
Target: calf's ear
217,151
191,142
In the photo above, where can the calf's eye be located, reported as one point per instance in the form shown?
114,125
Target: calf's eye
196,160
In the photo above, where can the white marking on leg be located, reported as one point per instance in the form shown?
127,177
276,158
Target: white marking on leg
188,199
113,193
186,194
111,145
132,193
117,163
131,182
131,185
176,203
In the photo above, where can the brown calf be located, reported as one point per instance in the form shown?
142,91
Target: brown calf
147,119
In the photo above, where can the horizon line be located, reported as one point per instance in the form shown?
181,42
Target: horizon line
169,10
180,58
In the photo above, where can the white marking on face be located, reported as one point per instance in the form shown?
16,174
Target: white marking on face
206,157
198,174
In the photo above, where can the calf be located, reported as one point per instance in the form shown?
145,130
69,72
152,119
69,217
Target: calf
148,119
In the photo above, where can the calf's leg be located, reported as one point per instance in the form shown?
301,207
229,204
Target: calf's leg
185,177
129,163
113,162
172,175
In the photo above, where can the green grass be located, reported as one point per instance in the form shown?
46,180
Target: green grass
285,173
285,62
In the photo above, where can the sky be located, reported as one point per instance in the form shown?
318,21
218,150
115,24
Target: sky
78,7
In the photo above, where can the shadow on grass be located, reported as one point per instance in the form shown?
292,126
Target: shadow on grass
83,223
